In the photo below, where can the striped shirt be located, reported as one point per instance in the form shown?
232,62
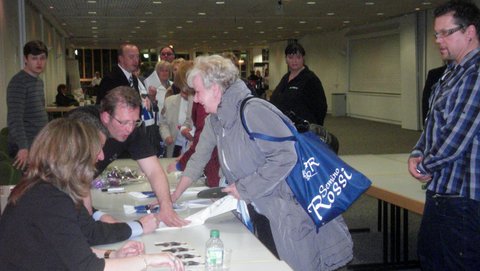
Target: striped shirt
26,109
450,142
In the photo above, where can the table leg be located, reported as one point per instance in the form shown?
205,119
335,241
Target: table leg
379,215
397,233
392,233
405,234
385,232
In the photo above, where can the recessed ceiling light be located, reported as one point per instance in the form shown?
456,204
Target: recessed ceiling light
426,3
319,27
91,1
179,27
202,13
346,22
92,12
225,32
94,27
262,32
142,21
51,7
133,31
64,23
240,27
417,9
330,13
380,14
214,37
93,21
311,3
220,2
302,22
280,27
156,2
369,3
137,27
171,32
258,22
296,32
189,21
95,36
148,13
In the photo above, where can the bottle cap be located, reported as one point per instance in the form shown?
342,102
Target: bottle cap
215,233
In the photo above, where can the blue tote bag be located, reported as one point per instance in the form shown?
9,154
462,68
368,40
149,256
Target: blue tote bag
323,184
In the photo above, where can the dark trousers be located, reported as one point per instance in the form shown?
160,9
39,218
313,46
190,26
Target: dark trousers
261,226
177,151
449,236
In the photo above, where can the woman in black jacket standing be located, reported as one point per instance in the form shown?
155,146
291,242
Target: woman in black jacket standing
300,90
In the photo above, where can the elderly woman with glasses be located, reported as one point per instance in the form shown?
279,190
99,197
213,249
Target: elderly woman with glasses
256,169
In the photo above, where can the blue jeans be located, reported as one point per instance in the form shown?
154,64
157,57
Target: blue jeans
449,237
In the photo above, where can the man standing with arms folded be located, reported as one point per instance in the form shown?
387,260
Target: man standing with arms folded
447,155
26,103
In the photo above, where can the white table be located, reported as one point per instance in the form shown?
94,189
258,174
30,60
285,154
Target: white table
391,180
396,190
247,252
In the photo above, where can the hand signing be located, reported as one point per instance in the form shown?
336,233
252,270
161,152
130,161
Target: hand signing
131,248
149,223
163,260
171,218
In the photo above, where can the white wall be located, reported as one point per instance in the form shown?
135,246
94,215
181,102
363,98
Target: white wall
328,56
277,65
9,51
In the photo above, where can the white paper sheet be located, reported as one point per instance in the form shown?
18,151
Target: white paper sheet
221,206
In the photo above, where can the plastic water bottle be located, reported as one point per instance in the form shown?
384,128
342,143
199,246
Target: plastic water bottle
214,252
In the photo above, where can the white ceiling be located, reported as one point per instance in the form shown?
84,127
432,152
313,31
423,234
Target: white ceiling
234,25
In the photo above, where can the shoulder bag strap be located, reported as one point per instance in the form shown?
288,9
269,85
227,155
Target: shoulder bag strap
264,136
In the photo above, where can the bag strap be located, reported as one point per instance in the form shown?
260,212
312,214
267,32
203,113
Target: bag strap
264,136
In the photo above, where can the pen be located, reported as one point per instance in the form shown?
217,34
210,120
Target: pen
113,189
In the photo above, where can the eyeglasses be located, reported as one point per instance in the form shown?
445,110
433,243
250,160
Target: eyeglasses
448,32
136,123
166,54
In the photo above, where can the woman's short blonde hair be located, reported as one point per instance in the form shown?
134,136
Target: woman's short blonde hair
214,69
63,154
163,64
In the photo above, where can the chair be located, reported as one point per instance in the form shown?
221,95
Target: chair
4,131
8,174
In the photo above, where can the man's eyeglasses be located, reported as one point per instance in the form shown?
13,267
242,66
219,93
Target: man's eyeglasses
448,32
136,123
166,54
